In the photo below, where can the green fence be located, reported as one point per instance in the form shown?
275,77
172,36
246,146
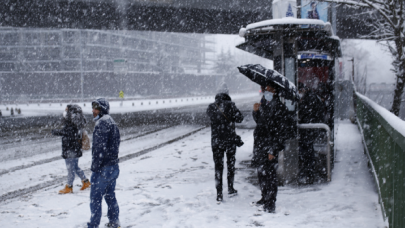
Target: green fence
385,147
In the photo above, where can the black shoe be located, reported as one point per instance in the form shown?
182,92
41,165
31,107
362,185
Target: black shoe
260,202
270,209
232,191
219,197
112,225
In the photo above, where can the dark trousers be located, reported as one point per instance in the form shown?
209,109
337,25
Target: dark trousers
219,152
103,184
307,163
268,185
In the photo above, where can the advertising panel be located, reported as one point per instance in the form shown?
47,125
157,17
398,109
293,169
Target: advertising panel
314,10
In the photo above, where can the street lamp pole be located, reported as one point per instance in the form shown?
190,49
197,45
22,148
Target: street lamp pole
352,60
354,88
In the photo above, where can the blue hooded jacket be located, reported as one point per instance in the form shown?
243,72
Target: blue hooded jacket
106,138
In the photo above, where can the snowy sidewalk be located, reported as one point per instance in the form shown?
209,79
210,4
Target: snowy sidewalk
174,187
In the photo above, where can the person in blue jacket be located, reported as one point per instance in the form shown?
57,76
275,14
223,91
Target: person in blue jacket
104,165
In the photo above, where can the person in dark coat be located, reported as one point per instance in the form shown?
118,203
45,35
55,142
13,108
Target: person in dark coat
274,126
104,165
71,133
311,109
223,114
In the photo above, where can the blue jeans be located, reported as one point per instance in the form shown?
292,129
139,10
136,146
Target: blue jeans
103,184
72,165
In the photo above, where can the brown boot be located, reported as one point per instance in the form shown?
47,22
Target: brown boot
86,184
67,189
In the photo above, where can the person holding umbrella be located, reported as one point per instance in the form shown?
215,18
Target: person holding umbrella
274,126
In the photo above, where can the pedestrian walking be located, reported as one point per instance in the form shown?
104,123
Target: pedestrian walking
104,165
274,126
223,114
311,109
72,135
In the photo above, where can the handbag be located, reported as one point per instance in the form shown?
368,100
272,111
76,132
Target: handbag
85,141
237,139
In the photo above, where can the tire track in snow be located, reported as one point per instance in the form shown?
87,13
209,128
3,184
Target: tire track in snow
32,189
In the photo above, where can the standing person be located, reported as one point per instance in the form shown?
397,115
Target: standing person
223,114
106,142
311,110
71,133
273,123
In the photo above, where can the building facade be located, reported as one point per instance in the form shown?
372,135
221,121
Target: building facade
73,63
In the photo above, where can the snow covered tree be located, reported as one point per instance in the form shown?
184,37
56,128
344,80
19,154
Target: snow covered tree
388,26
225,63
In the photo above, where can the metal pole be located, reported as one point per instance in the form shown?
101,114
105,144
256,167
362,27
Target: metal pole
328,156
81,65
352,60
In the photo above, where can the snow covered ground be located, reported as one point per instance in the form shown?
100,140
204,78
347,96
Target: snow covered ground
174,187
115,106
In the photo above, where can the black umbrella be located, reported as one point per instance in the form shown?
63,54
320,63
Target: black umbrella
262,76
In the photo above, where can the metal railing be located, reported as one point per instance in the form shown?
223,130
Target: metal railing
328,132
385,147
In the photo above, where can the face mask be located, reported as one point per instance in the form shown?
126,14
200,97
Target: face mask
268,96
96,118
64,114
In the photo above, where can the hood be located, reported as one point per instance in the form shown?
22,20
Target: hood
75,116
103,104
222,97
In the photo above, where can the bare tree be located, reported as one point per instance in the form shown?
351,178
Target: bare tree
388,27
225,63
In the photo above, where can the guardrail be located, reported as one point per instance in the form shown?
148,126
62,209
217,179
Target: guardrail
384,141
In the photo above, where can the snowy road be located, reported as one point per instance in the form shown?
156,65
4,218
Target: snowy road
173,186
117,106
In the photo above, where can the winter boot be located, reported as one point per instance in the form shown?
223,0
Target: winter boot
232,191
67,189
260,202
219,197
270,208
112,225
86,184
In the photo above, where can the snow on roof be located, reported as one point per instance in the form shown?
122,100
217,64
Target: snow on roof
285,21
393,120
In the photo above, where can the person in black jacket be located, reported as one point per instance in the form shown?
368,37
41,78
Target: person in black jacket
71,133
223,114
274,126
311,109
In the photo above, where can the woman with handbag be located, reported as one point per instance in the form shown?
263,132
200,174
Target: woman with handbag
72,140
223,114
